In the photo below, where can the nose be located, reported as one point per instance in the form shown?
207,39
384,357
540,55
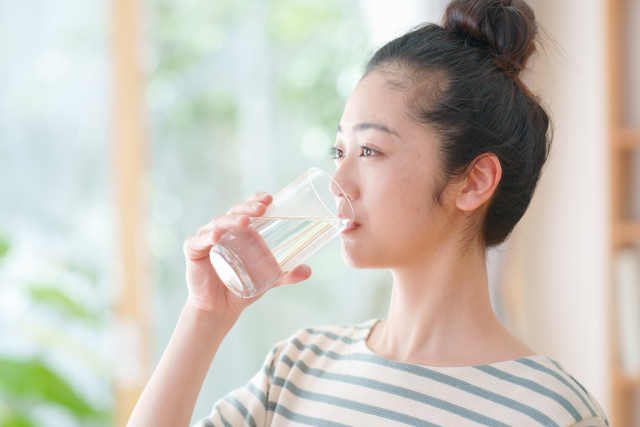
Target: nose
335,189
346,188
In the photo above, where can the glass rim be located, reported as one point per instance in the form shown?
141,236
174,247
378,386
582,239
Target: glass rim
353,213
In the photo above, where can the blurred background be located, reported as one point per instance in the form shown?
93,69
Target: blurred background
127,124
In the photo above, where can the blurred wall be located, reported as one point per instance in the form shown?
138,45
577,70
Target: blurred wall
388,20
564,236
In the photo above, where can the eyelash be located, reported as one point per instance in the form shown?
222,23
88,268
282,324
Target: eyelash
332,151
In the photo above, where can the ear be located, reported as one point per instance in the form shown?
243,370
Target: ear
480,183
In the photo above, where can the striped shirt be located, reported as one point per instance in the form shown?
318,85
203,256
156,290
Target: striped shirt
327,376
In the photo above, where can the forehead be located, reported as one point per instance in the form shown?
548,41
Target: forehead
376,100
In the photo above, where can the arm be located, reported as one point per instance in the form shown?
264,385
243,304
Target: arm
210,313
171,394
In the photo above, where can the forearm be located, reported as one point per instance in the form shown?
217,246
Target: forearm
171,394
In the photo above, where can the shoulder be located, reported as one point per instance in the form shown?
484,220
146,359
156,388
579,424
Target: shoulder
325,341
550,388
331,333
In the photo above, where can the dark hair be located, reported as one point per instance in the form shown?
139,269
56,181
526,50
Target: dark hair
464,81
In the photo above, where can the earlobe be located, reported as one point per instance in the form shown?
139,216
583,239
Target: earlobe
480,183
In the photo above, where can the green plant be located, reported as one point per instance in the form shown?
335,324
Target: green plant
29,383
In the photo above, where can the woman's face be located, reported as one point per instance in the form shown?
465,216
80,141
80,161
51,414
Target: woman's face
386,166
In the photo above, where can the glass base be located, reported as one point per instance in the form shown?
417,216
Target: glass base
231,271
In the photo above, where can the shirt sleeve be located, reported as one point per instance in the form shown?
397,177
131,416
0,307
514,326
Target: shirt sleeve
246,406
591,422
599,410
598,421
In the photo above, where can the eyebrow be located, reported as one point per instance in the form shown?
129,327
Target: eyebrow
365,126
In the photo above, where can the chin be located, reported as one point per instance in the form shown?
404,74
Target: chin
355,256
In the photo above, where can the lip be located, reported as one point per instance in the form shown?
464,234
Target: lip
352,224
351,227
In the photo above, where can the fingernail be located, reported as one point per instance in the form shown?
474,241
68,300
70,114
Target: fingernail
255,205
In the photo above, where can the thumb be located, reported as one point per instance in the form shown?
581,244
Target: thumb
298,274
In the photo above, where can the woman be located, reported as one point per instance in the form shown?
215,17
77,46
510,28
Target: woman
439,150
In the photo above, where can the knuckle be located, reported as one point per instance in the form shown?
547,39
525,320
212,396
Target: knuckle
257,196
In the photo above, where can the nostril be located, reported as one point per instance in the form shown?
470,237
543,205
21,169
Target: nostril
335,189
343,185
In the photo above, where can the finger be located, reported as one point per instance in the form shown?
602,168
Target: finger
298,274
261,196
251,208
245,208
198,246
226,222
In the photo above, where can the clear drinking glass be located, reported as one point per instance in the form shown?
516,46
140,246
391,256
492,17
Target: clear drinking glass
301,219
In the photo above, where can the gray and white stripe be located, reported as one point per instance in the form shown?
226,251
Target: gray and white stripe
328,377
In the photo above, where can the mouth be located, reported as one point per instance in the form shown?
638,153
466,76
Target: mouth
351,225
350,228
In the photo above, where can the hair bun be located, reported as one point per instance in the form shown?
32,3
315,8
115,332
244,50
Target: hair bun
507,27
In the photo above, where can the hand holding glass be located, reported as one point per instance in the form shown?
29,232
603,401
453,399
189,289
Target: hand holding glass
302,218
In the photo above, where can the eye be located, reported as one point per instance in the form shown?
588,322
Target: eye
335,153
368,152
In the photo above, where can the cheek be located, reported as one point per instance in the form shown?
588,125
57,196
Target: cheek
399,216
401,207
407,191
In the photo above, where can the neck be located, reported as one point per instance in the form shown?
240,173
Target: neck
440,314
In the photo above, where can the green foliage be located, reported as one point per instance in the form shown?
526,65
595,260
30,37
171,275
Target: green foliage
31,380
4,246
294,22
10,418
213,108
187,33
56,300
27,384
309,50
316,45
